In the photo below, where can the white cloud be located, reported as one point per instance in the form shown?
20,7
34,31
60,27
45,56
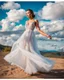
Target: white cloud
61,49
57,25
52,11
10,5
19,27
52,26
0,23
10,26
43,23
15,15
40,36
14,36
10,32
6,25
37,15
55,28
8,39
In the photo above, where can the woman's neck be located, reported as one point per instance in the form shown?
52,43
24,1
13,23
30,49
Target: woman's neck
31,18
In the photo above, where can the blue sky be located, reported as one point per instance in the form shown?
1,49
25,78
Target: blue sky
35,6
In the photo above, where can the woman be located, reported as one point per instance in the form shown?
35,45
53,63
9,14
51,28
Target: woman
25,53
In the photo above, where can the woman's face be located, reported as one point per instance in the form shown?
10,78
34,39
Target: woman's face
28,14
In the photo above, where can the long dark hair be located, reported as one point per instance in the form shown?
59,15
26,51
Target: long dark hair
31,11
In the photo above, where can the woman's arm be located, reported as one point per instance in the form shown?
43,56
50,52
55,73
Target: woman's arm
40,31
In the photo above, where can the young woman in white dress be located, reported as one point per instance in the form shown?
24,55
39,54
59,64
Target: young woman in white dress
24,52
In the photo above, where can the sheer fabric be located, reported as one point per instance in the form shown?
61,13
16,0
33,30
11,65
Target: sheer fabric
25,54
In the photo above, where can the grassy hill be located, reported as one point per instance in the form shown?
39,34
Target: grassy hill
5,48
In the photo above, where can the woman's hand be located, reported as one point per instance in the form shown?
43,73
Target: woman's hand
50,37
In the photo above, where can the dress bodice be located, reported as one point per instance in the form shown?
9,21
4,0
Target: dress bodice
30,26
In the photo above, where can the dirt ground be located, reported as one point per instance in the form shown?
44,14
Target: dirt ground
8,71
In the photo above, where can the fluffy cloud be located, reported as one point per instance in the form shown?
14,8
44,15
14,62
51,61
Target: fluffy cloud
18,27
10,5
54,28
61,49
6,25
9,38
38,15
10,26
0,23
57,25
52,11
15,15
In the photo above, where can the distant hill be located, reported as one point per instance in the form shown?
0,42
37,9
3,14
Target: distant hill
4,48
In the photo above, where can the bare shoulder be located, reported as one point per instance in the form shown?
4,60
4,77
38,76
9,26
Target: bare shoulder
36,20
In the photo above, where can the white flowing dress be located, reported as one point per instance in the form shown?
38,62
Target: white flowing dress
25,54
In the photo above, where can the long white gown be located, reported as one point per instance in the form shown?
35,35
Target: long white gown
25,54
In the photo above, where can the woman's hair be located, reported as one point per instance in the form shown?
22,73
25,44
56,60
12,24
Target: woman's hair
33,15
